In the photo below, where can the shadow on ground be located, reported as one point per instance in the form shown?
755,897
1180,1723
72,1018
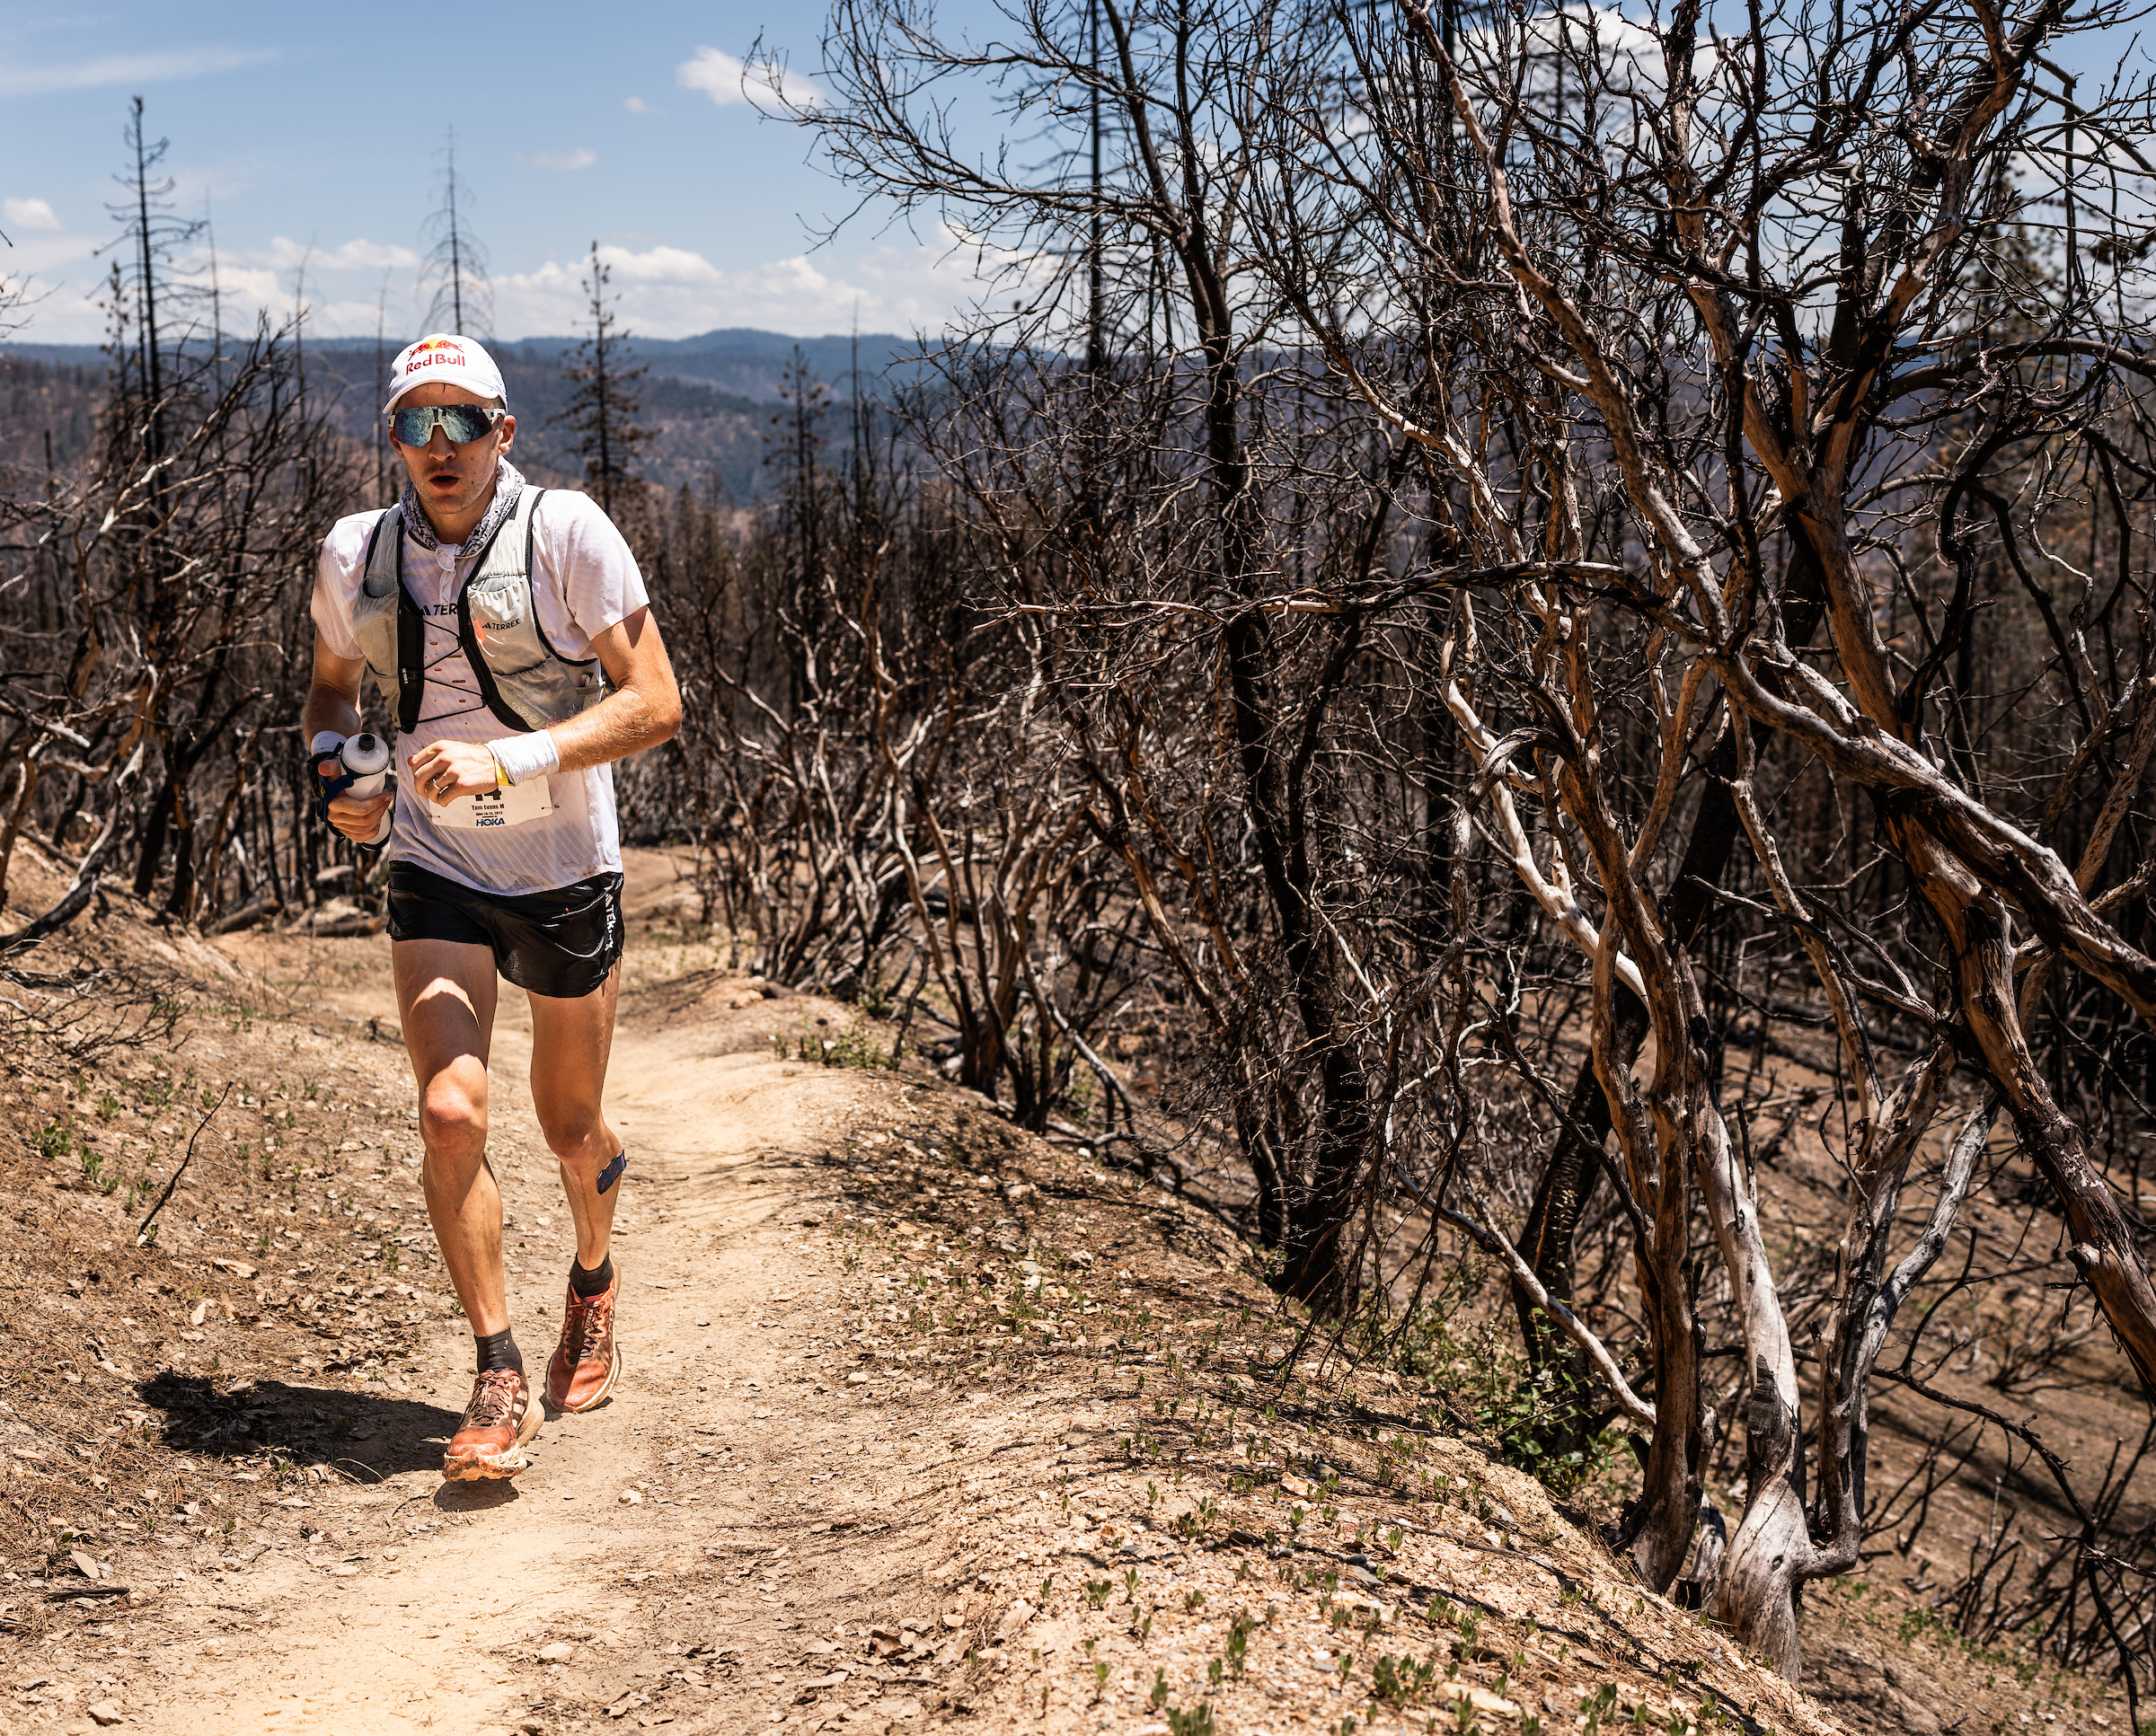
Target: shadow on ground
365,1434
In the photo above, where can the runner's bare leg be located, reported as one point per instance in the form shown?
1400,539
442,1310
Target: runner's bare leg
571,1042
446,998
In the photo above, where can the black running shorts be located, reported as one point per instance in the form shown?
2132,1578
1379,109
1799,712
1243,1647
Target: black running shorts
561,944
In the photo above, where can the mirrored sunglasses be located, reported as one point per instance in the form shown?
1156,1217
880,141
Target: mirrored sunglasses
463,423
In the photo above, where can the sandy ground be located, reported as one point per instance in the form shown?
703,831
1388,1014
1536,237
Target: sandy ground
437,1594
925,1424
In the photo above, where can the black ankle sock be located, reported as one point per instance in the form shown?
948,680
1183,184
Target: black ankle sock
589,1284
498,1350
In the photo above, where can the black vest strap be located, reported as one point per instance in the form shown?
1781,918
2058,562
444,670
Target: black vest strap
411,632
411,646
469,639
411,626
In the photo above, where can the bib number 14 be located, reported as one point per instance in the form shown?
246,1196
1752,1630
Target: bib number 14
491,810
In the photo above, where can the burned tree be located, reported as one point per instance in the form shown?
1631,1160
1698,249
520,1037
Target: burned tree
1525,475
149,592
1143,254
1706,337
607,397
461,298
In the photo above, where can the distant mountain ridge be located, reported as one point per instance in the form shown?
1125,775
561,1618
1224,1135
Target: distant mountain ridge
710,399
742,360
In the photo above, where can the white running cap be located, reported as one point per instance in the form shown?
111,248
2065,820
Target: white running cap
440,359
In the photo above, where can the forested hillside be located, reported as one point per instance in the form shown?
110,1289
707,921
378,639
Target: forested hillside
709,400
1522,665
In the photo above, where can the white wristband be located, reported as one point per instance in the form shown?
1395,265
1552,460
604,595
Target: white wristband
326,741
527,756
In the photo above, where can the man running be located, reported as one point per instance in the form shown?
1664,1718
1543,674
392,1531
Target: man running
508,629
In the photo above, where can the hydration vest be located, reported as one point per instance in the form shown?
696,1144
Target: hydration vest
525,682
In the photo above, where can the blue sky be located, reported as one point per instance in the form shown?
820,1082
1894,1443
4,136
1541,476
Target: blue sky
314,135
321,127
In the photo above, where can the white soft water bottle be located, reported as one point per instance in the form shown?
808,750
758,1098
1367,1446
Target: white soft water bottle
365,758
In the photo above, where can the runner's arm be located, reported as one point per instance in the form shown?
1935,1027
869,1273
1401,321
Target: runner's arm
333,704
332,695
644,709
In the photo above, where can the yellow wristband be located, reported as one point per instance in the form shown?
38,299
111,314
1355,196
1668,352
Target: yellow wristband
501,777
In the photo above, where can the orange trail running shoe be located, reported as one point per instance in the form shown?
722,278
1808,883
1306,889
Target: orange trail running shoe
587,1360
498,1423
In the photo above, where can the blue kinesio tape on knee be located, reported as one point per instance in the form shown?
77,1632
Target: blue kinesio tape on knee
612,1171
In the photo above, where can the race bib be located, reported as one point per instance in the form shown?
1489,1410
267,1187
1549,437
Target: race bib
511,806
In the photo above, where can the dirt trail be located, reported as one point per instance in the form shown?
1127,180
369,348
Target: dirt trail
380,1624
927,1425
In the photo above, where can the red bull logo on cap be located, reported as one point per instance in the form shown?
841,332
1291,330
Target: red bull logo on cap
443,358
428,353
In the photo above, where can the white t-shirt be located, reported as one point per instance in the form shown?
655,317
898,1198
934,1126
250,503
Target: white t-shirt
584,580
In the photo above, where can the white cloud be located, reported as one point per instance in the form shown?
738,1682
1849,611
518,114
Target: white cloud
716,76
672,292
128,70
355,318
566,161
64,279
901,284
342,284
726,81
29,214
243,289
284,253
636,105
